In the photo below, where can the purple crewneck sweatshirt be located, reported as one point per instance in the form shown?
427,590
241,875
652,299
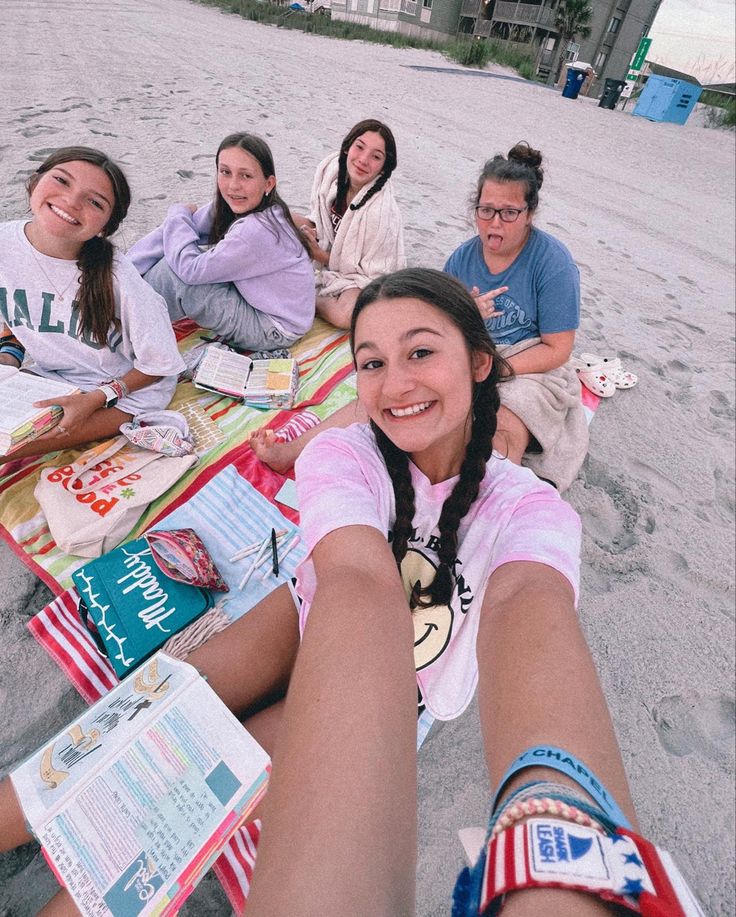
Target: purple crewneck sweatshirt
259,254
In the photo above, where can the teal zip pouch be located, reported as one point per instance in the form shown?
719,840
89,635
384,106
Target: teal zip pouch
133,605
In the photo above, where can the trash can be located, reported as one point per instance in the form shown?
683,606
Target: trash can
612,90
574,81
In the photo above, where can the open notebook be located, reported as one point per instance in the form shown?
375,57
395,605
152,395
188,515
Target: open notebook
19,420
264,384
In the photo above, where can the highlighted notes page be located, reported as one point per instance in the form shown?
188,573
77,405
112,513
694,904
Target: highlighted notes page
135,801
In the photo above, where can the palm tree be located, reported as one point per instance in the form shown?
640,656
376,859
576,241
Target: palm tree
572,18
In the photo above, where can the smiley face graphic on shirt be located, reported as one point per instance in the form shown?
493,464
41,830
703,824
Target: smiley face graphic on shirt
432,626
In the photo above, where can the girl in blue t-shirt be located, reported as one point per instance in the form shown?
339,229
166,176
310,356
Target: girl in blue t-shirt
527,288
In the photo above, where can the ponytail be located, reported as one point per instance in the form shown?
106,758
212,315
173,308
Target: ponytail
95,301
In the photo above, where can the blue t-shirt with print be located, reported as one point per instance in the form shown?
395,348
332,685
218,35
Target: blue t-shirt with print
543,295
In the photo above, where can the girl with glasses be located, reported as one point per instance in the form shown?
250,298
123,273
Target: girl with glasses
527,288
236,266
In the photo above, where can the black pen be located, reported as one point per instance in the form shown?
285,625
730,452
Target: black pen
274,553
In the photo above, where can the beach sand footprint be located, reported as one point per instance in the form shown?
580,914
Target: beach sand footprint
614,518
696,724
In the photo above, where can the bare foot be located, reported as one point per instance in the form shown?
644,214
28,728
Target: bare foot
278,455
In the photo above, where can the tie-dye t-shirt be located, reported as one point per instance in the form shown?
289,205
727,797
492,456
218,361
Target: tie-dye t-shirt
342,480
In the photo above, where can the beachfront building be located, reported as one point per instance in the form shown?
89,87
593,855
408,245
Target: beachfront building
425,18
616,26
615,30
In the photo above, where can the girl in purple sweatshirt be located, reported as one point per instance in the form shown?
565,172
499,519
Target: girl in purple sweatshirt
237,266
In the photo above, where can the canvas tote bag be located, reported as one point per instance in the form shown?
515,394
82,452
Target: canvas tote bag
92,504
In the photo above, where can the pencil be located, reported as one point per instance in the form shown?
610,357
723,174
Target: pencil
293,544
274,553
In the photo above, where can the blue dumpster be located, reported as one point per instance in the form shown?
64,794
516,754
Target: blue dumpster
665,99
575,79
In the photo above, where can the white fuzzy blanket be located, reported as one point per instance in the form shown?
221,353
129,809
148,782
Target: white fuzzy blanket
369,241
549,406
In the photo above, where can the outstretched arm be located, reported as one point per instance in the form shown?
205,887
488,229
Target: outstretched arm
538,685
344,772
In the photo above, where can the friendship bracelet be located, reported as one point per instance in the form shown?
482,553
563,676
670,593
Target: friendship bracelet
119,387
527,799
15,351
10,338
10,344
558,759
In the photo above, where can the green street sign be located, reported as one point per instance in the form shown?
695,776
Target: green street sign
637,62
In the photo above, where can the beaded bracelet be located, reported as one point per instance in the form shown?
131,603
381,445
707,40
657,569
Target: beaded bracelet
544,805
555,799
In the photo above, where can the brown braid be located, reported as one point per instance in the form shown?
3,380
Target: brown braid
95,301
450,297
374,189
397,465
464,493
96,286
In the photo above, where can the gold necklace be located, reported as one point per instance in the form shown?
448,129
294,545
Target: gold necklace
59,293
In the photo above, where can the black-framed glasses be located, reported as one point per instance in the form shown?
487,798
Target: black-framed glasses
507,214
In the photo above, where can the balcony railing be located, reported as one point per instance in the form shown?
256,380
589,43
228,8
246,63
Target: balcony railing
524,12
471,8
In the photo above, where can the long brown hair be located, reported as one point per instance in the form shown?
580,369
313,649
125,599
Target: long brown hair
224,216
95,301
453,300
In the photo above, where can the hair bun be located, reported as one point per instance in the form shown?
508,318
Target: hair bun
528,156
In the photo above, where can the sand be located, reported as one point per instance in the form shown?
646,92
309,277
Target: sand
646,209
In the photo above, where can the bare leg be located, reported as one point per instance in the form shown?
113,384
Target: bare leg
512,437
338,310
13,831
100,425
61,905
538,685
340,824
281,456
248,665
